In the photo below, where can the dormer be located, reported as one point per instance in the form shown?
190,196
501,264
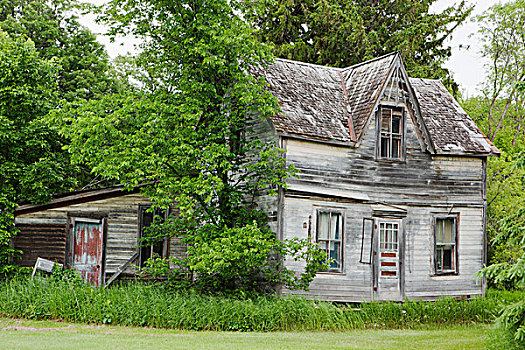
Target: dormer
391,118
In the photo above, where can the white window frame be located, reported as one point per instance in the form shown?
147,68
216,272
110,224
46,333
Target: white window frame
391,244
390,135
439,246
331,212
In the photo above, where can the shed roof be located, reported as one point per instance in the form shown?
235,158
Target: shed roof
334,104
76,197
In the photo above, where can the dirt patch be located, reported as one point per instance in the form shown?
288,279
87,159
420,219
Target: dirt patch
18,326
34,329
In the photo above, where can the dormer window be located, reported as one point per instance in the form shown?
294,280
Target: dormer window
391,133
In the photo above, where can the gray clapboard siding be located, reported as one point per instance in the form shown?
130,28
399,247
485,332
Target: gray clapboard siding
424,185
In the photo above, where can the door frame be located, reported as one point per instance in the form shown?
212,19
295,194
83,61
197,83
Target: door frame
376,259
70,241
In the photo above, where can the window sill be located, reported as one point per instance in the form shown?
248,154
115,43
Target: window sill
390,160
335,272
446,273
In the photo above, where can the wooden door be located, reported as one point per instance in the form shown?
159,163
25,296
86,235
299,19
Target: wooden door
87,241
387,260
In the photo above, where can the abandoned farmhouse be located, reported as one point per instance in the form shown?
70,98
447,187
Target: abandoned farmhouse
392,185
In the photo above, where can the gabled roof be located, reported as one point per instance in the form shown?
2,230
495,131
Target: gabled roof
333,104
364,83
450,128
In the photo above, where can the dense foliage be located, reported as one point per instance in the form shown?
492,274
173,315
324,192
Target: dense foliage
137,304
342,33
32,161
188,137
500,112
45,56
82,63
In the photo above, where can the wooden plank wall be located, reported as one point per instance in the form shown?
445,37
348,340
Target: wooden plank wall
122,227
44,240
354,282
423,185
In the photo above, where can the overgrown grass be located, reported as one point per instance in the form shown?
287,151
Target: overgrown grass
138,304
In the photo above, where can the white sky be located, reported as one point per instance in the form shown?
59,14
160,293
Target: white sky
466,63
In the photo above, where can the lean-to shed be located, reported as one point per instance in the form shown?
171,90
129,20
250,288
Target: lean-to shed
96,232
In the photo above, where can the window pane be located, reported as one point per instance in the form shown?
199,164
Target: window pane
447,258
382,233
439,259
388,232
384,146
385,123
335,227
396,146
439,231
147,218
448,230
324,224
395,228
334,254
396,125
322,245
158,248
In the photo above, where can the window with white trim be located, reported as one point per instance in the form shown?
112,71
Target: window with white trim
445,250
330,237
391,127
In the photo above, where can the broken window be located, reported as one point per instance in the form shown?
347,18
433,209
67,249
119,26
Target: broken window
391,125
330,237
157,248
445,233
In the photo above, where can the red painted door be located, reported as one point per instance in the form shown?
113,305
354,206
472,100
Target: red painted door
87,249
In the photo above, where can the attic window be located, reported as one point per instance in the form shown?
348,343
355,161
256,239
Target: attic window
391,133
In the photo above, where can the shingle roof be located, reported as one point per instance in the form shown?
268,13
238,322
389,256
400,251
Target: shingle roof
450,128
312,100
364,83
326,103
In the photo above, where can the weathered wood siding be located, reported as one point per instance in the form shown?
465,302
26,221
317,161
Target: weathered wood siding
44,240
121,213
264,131
423,185
354,282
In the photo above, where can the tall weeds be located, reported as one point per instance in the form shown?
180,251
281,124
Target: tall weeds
138,304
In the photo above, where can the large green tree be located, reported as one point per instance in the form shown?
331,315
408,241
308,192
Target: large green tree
503,34
188,139
500,112
47,57
345,32
33,164
53,27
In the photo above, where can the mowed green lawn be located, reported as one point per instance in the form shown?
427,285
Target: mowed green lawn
24,334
